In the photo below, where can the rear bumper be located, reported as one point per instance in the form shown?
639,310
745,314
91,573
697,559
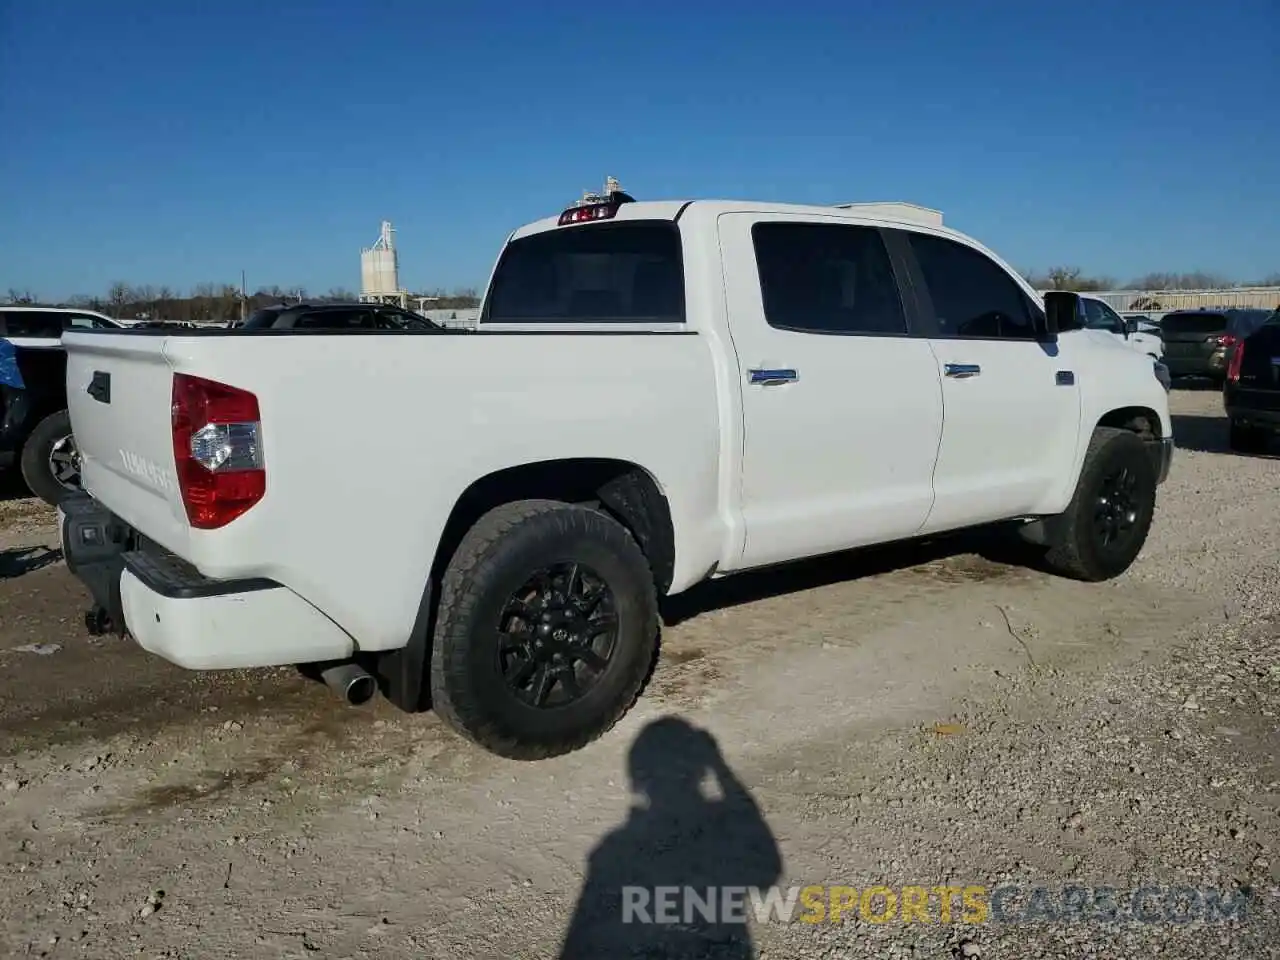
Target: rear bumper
1253,416
175,612
1213,365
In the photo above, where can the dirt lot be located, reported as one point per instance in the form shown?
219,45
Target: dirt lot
927,716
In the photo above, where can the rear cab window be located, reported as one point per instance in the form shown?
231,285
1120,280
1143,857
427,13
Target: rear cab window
629,271
31,323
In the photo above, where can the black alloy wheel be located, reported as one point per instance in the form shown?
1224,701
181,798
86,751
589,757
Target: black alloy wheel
1116,509
558,633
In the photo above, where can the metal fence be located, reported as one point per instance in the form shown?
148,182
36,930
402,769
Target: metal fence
1162,301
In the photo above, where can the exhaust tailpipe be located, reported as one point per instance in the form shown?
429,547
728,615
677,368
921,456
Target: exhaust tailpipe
351,682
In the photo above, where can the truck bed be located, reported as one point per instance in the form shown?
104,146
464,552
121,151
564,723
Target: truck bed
358,437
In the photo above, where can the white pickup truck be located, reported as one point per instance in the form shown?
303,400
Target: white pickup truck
657,393
1098,315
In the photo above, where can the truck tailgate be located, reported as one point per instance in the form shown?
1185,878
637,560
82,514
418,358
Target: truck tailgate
119,394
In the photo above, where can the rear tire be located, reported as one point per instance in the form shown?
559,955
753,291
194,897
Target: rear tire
1247,439
51,441
1105,526
546,632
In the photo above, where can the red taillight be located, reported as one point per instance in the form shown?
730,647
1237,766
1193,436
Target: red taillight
1226,340
589,213
217,449
1237,358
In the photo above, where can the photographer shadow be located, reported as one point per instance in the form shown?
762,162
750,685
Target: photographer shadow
699,848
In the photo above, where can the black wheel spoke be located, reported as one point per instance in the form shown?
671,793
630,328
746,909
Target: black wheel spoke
509,642
520,676
517,607
601,623
543,680
589,656
1115,514
569,682
557,634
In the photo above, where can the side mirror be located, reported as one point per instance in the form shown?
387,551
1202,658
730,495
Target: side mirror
1061,313
1130,328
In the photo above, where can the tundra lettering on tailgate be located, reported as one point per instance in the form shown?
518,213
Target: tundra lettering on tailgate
150,473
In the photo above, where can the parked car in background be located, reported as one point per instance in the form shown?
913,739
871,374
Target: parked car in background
35,429
659,393
1145,323
1197,343
1251,393
1098,315
336,317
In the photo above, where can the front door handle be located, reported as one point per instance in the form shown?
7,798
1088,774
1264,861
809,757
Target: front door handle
774,377
962,371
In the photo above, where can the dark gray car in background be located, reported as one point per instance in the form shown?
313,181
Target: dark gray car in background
1198,343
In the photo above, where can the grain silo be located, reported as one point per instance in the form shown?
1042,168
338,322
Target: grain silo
380,269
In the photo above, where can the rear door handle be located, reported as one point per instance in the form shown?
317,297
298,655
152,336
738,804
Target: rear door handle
774,377
962,371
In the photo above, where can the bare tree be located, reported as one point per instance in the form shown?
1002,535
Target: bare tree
1194,280
119,295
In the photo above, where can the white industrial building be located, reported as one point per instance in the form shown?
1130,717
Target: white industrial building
380,270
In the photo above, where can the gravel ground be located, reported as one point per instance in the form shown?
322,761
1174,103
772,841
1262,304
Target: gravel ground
915,717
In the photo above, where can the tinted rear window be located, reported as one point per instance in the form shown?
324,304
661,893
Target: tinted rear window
1244,322
31,323
612,272
1193,323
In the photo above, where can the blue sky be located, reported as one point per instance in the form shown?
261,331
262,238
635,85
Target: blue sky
176,143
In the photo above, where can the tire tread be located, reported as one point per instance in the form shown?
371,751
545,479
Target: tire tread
474,561
1070,555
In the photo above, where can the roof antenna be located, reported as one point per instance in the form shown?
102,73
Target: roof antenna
613,190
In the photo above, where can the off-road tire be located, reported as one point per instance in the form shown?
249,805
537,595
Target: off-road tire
1077,551
34,461
496,556
1246,439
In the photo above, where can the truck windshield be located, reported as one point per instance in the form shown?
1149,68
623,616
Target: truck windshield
608,272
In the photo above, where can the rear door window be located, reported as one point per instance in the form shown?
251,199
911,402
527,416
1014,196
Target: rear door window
81,321
599,273
827,278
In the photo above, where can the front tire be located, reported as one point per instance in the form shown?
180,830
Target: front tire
50,463
547,629
1105,526
1247,439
